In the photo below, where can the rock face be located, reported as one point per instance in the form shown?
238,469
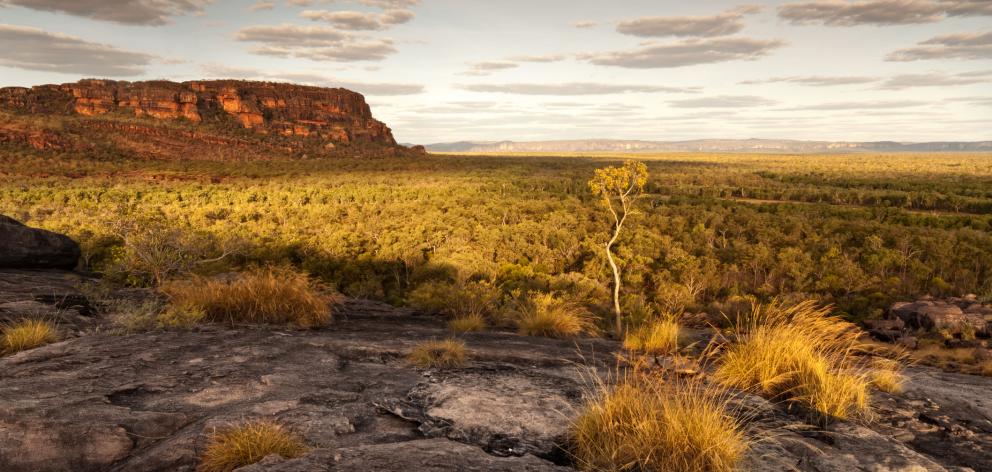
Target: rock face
22,247
334,115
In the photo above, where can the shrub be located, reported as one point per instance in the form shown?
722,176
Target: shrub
247,444
467,323
182,317
646,426
439,354
657,337
455,299
269,295
545,314
800,353
27,334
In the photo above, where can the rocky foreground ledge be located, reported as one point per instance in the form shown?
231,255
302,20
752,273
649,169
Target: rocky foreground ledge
148,401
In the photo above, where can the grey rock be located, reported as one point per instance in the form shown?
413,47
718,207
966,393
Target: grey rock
22,247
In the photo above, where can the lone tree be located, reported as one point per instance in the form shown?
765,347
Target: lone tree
619,188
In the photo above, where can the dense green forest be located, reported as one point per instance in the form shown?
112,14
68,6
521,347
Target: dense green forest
475,232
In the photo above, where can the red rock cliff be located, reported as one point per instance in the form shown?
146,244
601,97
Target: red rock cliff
332,114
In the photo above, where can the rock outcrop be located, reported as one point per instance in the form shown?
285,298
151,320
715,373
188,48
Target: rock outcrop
334,115
22,247
951,315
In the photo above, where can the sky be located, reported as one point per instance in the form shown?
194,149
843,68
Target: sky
452,70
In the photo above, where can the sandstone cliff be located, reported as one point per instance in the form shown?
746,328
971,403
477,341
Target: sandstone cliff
330,116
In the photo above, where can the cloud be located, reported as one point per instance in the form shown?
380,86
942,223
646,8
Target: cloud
36,49
724,101
540,58
357,20
868,105
957,46
967,7
906,81
980,101
383,4
686,53
314,42
262,6
814,80
367,88
723,24
132,12
574,88
488,67
585,24
289,35
879,12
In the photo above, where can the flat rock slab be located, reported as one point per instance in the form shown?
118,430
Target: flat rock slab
148,401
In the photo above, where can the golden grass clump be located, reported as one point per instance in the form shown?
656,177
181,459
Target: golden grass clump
800,353
247,444
439,354
269,295
886,375
647,426
27,334
467,323
545,314
657,337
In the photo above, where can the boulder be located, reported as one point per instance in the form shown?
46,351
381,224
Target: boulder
22,247
930,315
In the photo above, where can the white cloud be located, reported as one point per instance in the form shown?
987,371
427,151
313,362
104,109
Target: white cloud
134,12
36,49
358,20
574,88
723,24
950,46
314,42
724,101
686,53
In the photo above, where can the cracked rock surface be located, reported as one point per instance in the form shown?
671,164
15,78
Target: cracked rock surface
148,402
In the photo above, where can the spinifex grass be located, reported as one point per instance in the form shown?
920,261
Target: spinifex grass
548,315
643,425
799,353
248,443
26,334
656,337
439,354
268,295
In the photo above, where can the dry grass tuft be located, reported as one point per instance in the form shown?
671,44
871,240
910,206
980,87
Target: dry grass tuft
643,425
655,338
247,444
269,295
800,353
439,354
985,368
27,334
467,323
545,314
888,381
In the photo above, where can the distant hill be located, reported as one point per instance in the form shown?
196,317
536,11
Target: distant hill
708,145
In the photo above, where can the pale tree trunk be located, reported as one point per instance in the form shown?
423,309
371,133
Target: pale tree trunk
616,286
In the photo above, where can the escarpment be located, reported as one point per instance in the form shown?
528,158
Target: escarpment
278,116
